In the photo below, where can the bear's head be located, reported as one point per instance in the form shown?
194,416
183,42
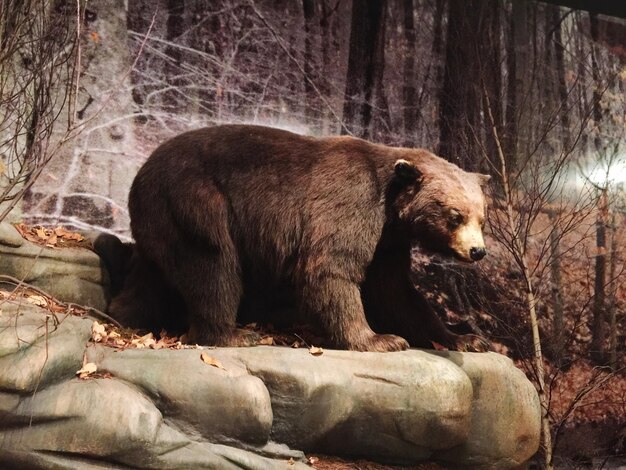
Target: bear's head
442,206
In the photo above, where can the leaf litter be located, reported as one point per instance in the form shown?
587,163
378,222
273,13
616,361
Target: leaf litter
57,237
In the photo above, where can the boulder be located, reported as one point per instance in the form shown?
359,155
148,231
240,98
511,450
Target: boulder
70,274
262,409
148,416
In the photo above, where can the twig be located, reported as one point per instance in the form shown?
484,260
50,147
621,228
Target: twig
69,305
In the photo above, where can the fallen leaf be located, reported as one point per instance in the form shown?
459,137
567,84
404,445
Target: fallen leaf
87,370
74,236
41,233
267,341
143,341
38,300
211,361
315,351
98,332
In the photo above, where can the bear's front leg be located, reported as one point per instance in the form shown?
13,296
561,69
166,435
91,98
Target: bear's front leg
337,303
393,304
440,333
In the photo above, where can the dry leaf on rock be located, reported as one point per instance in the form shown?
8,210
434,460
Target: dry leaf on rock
98,332
51,240
63,233
315,351
211,361
87,370
144,341
38,300
267,341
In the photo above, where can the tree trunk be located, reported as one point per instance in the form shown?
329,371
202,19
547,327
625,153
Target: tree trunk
595,72
327,35
559,56
598,327
612,301
558,337
138,20
408,89
380,127
365,61
312,105
491,75
460,98
438,41
583,102
174,29
517,62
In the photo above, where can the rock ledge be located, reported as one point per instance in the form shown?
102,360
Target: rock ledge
168,409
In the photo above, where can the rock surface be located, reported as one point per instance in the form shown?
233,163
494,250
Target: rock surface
169,409
71,274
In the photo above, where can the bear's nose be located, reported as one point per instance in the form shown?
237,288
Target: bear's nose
477,253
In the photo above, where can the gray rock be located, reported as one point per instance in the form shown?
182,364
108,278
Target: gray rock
169,409
50,419
212,403
398,407
9,236
70,274
35,351
505,418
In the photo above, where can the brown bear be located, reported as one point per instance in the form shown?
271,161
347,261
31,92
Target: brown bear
236,221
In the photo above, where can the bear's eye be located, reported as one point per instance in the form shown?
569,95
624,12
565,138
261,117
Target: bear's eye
455,219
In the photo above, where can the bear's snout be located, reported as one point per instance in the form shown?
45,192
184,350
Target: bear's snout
477,253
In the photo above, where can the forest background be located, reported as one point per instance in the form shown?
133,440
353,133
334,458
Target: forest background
529,92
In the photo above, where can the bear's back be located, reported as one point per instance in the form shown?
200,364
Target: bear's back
279,189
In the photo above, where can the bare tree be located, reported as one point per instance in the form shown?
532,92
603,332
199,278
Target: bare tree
39,72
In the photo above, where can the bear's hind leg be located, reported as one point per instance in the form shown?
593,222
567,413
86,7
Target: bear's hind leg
202,262
210,282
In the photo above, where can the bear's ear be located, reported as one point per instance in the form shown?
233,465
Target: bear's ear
482,179
406,170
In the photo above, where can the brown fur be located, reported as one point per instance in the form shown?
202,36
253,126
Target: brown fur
236,222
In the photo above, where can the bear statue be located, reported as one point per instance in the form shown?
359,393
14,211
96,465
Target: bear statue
234,222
